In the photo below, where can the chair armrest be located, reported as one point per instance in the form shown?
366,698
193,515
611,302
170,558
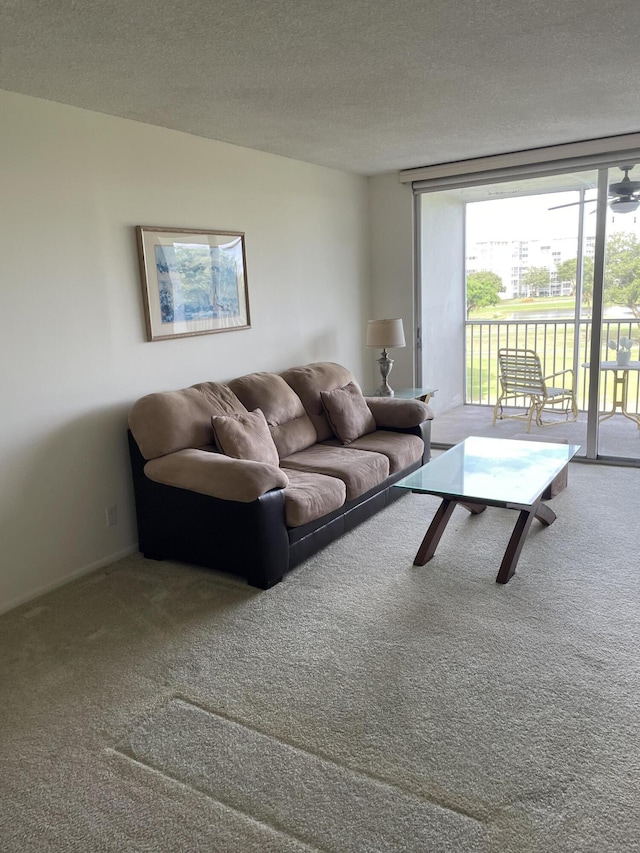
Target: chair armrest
388,412
216,475
560,373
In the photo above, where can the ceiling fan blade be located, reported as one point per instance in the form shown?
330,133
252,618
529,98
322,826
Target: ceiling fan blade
572,203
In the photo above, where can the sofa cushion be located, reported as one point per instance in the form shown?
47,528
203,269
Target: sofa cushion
401,449
308,381
245,435
347,412
310,496
169,421
290,425
358,469
392,412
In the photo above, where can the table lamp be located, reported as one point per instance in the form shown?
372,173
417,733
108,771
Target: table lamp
386,334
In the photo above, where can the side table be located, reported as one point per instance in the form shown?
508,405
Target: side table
423,394
620,389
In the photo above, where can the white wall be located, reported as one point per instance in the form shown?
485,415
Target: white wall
391,210
443,305
73,184
441,277
442,282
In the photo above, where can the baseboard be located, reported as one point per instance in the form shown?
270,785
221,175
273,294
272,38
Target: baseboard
77,573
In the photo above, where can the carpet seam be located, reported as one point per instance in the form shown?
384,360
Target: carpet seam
162,772
380,780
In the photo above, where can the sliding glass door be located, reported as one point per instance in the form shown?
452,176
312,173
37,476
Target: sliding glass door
619,399
549,264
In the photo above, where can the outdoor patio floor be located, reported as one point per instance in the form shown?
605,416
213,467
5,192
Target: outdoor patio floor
618,436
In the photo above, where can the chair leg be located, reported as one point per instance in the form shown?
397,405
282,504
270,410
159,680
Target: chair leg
539,410
534,407
495,410
567,411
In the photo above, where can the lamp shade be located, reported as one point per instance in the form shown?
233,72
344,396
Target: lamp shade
385,334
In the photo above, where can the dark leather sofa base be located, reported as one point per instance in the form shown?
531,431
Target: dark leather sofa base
246,539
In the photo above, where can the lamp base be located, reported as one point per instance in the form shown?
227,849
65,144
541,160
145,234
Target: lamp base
385,390
386,363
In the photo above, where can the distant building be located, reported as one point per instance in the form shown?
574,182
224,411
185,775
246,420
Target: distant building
511,259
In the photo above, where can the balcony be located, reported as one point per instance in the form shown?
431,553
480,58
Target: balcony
560,344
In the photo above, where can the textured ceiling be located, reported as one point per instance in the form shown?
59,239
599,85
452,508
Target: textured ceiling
367,86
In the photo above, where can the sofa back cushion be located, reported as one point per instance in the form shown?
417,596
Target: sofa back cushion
290,425
169,421
347,412
245,436
308,381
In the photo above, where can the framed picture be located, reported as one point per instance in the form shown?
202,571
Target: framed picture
193,282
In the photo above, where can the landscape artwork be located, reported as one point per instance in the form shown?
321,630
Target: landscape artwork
194,282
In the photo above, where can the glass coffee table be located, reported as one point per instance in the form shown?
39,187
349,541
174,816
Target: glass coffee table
482,472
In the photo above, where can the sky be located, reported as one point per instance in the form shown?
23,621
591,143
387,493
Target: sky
529,218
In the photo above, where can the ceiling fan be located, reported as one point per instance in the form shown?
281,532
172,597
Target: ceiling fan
624,195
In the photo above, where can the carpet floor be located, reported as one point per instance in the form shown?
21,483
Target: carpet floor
363,704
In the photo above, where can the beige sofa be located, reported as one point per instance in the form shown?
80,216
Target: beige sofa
253,476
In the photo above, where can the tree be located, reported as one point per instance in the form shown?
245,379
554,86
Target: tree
622,272
536,279
621,277
567,271
483,289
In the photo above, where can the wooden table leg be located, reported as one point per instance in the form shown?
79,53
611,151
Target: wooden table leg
433,535
545,514
520,530
474,509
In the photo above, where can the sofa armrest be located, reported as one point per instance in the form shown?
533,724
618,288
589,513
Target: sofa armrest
390,413
216,475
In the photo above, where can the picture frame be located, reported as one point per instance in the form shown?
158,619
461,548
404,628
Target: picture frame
194,281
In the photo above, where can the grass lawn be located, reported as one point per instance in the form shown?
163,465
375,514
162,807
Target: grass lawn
553,340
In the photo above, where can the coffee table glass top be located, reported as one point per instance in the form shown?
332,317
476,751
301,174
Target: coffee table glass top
497,470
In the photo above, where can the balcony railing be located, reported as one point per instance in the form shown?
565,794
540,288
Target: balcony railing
560,344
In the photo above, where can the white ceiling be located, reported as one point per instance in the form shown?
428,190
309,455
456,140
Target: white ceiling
367,86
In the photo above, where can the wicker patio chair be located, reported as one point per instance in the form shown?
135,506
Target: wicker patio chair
522,382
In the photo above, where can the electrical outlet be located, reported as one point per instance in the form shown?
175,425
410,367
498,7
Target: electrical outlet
111,514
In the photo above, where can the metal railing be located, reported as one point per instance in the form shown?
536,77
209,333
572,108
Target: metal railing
561,344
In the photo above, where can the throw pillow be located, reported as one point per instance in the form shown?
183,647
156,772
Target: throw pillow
347,412
245,435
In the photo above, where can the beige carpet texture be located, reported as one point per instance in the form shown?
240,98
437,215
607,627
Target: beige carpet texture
364,704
